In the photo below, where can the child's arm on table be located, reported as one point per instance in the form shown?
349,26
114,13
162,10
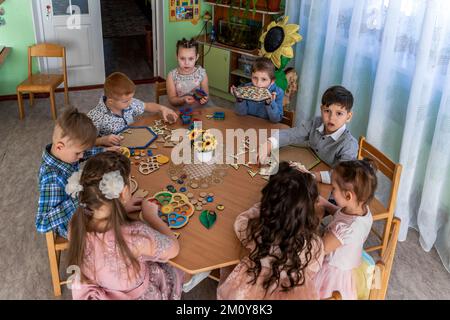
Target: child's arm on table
167,114
150,215
275,107
109,140
172,94
205,87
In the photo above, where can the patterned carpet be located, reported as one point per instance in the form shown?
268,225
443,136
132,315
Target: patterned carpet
122,18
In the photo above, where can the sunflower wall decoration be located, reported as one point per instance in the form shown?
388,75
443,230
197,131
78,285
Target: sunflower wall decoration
276,44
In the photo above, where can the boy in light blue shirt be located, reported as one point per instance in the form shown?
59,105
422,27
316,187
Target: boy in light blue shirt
263,76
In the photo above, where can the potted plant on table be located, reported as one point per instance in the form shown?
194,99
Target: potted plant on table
204,144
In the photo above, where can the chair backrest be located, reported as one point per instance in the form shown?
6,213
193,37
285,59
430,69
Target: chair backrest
383,267
288,117
389,168
160,90
50,50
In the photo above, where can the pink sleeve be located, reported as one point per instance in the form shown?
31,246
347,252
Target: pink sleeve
150,244
341,231
241,223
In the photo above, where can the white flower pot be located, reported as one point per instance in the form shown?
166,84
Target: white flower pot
204,156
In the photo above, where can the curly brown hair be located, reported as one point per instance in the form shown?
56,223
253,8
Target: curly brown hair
91,198
287,221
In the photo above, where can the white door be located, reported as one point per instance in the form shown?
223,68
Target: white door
158,38
75,24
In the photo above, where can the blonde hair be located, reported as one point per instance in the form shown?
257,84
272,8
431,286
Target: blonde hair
118,84
78,127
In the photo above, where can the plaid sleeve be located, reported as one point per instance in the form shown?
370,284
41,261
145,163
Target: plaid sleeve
92,152
55,207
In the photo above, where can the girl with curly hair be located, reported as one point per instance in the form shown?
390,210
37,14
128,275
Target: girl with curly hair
284,247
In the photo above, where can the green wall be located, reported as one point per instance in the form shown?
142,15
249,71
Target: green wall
18,33
174,31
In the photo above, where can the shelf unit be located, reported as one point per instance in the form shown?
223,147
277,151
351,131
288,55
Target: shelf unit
4,53
221,78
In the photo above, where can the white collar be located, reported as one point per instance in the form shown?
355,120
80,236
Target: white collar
336,135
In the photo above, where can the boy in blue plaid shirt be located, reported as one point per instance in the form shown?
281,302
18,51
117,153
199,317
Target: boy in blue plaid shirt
73,135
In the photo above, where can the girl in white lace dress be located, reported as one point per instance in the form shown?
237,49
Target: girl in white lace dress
188,77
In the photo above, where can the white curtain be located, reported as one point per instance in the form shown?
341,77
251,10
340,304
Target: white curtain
394,57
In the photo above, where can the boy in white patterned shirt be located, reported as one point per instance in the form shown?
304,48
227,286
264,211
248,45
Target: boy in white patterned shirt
117,109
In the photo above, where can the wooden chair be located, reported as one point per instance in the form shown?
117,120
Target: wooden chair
288,117
55,244
392,171
43,83
384,266
336,295
160,90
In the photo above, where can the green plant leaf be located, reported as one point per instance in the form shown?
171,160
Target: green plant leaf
208,218
280,79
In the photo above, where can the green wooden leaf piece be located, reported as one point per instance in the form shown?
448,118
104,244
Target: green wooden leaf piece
208,218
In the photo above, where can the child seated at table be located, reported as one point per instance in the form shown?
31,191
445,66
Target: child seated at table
263,76
326,135
281,235
354,184
117,109
121,255
186,81
73,137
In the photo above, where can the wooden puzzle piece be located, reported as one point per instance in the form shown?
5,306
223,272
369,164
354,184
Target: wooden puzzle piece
133,185
141,193
253,93
251,173
148,167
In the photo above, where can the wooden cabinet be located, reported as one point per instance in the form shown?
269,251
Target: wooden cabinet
217,65
220,60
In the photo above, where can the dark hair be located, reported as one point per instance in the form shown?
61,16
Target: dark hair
338,95
266,65
287,221
358,176
118,84
91,198
77,126
187,44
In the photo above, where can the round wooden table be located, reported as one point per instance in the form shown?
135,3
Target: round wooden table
204,249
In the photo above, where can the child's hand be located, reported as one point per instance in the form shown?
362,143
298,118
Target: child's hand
149,210
112,140
189,100
168,115
134,204
233,90
204,100
274,96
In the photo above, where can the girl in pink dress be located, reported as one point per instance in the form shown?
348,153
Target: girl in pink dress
284,248
354,184
118,256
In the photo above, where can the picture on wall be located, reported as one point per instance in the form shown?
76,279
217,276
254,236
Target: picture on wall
184,10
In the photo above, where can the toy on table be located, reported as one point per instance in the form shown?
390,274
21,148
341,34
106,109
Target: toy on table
217,116
253,93
186,115
173,208
208,218
137,137
199,94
